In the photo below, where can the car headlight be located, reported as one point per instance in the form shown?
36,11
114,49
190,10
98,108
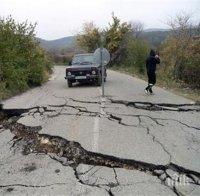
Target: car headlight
93,72
69,73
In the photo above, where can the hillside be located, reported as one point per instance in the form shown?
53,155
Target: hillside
155,29
65,42
153,36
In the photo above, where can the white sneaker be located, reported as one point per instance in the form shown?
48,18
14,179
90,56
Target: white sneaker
146,91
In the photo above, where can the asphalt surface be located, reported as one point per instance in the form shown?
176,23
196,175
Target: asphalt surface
126,123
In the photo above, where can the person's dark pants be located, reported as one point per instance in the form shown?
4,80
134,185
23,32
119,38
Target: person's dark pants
151,81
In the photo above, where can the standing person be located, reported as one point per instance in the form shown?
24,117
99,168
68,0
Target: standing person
151,62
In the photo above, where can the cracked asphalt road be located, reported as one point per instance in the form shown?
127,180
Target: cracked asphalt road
147,145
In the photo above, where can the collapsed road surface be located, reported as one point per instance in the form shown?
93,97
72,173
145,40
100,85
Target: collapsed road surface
57,140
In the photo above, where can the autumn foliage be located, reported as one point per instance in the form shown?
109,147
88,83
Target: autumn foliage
181,52
121,40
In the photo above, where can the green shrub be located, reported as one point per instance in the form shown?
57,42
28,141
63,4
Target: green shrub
15,79
180,53
137,52
181,59
191,69
23,63
35,76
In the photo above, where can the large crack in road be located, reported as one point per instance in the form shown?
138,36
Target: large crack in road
71,153
159,106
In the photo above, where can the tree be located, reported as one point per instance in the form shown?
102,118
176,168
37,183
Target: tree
90,38
137,28
180,51
116,37
137,51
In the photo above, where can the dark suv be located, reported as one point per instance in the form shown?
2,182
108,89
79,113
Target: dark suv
83,69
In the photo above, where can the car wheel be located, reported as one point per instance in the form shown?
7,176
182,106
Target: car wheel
69,82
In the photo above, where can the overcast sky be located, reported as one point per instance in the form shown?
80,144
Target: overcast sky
60,18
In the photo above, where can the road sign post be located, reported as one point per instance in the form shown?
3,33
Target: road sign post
102,58
102,72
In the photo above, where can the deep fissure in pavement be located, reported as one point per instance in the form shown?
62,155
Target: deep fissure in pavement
159,106
72,153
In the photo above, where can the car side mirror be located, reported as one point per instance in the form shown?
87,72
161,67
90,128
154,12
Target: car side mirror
70,63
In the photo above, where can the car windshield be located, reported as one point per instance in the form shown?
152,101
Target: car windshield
83,60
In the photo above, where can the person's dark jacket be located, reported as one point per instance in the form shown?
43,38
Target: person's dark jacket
151,62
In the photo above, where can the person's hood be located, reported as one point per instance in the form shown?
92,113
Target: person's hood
152,52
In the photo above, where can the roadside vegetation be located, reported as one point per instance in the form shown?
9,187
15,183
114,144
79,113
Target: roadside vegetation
23,63
61,56
179,51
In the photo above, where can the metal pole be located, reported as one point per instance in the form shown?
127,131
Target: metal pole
102,67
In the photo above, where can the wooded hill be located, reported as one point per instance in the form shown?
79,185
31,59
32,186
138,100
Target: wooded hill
154,37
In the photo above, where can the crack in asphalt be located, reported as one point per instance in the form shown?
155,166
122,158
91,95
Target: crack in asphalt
159,106
77,175
146,105
112,116
116,178
73,151
148,131
157,119
8,113
108,115
153,137
75,154
31,186
83,110
82,101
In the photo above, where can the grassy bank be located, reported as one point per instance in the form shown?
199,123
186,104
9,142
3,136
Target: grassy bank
164,82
